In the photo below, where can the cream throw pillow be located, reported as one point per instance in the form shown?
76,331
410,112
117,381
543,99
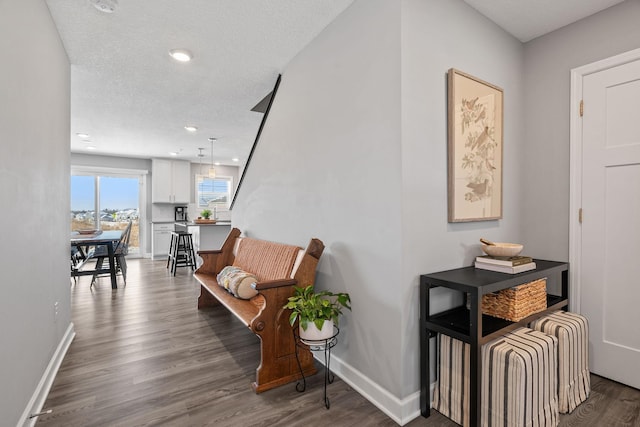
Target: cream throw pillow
238,282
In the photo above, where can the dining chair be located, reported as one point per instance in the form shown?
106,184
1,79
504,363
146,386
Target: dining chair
78,257
120,252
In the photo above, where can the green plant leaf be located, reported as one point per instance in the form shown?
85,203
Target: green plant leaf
303,323
293,317
319,323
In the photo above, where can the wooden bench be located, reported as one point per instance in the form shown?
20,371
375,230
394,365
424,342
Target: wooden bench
278,268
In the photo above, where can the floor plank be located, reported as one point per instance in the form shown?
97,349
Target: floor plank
144,355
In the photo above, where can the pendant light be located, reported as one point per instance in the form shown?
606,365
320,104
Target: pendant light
200,156
212,171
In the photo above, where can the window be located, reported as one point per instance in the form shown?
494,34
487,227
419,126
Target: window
213,192
105,201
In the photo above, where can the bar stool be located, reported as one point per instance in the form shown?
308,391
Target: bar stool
181,253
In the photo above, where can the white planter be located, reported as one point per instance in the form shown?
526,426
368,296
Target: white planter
314,334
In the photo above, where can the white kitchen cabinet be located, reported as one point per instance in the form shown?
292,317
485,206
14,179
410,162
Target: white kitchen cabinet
170,181
160,239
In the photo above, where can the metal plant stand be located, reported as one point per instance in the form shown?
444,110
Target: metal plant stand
317,345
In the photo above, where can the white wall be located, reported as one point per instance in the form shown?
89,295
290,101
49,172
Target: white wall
34,188
354,152
548,62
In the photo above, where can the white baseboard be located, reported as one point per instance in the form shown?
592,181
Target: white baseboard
42,390
401,411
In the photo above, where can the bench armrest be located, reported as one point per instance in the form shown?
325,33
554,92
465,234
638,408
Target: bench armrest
278,283
209,251
209,261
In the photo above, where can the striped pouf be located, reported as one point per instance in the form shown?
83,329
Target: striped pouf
451,395
518,380
572,331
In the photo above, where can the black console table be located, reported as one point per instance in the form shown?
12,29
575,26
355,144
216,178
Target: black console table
470,325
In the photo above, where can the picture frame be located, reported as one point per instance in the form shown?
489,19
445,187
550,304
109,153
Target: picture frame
475,147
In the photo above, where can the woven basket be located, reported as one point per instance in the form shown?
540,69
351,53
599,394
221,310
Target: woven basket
516,303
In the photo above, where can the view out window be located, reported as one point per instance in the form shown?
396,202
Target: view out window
213,192
106,202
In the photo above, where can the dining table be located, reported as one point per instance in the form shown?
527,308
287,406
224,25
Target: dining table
108,238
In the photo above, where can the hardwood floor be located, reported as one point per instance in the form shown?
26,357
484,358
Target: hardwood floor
144,355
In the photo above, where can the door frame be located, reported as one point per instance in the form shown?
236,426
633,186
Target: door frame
575,166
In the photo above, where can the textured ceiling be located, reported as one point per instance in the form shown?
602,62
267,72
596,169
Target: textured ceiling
528,19
134,100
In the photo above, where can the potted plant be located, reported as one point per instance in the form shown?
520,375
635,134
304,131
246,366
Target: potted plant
206,213
317,312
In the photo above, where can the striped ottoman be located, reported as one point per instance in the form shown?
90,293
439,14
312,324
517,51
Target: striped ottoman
518,380
572,331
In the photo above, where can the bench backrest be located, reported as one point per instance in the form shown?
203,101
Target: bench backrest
273,261
267,260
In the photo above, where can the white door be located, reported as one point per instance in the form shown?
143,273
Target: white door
610,262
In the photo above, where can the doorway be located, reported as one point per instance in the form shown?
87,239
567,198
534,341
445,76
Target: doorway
108,201
605,199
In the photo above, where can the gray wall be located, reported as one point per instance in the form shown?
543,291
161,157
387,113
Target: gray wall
328,166
34,188
354,151
438,35
548,62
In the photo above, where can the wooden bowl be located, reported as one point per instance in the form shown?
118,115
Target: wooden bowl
91,231
503,249
204,221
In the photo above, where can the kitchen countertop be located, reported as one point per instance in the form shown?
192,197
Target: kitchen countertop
193,224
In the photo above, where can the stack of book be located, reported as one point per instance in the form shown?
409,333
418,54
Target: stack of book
510,265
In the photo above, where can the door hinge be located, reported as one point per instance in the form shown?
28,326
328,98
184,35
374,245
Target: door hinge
581,108
580,215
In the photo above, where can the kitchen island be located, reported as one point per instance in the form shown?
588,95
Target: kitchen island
205,236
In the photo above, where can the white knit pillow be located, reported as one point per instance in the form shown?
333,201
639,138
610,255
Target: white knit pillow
238,282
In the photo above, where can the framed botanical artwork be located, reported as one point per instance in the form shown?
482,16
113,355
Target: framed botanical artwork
475,148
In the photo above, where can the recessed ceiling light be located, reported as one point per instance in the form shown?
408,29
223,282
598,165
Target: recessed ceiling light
235,159
173,153
217,163
106,6
190,128
91,147
82,135
181,55
86,141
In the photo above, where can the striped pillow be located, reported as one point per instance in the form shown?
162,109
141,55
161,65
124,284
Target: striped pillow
238,282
